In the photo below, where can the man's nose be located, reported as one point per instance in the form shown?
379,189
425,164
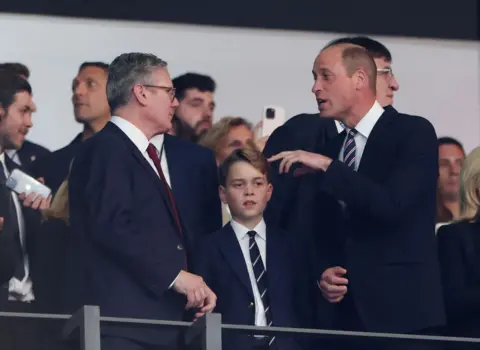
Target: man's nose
394,84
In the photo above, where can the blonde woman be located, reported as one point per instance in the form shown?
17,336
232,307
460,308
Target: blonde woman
459,254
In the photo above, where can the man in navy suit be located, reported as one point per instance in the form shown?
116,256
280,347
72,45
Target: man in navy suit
90,108
128,230
258,274
379,178
19,242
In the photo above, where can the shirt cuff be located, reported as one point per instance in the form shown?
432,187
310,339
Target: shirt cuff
171,285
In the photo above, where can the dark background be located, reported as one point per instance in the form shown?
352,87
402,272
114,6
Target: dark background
420,18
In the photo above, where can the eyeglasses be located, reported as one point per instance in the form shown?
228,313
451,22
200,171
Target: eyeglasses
169,89
388,71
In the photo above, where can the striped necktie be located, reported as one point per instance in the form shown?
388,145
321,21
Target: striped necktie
261,278
350,150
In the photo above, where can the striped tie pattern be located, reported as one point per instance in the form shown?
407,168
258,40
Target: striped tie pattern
350,149
261,278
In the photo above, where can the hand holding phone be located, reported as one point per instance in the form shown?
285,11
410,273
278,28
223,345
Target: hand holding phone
32,192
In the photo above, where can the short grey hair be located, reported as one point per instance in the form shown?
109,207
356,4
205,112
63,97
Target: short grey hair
127,70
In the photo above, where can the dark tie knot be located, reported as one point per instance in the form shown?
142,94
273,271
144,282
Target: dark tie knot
251,234
152,150
352,132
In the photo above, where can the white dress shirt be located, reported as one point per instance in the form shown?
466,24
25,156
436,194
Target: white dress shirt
261,239
140,140
13,154
364,128
19,290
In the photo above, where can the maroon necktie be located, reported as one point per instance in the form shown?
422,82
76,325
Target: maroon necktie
152,152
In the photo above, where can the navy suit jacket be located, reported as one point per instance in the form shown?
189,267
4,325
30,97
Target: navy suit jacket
290,284
194,180
125,248
30,152
386,236
54,167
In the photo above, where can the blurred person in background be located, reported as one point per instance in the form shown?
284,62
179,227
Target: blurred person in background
227,135
90,108
451,155
194,114
30,151
20,222
459,253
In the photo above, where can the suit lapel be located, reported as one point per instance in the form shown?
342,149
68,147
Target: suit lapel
377,151
231,250
145,165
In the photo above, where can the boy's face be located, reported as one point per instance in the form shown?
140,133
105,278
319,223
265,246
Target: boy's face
246,191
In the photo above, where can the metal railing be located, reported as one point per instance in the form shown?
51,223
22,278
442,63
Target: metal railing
206,333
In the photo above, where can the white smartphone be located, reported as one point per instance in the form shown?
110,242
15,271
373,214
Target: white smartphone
19,182
272,118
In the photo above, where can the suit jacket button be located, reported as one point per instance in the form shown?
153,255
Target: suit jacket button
252,304
180,247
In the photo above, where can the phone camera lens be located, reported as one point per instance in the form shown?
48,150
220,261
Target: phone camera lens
270,113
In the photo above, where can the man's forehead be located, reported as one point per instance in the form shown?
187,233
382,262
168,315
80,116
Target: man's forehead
161,76
23,97
447,150
196,93
382,62
92,71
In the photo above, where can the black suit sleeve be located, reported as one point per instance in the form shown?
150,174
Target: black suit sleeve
283,184
203,257
416,169
213,209
108,196
460,296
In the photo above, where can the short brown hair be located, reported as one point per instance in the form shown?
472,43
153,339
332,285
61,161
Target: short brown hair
355,58
213,137
249,154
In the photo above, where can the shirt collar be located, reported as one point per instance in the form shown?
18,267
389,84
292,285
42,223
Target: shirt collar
366,124
340,126
157,141
133,133
241,231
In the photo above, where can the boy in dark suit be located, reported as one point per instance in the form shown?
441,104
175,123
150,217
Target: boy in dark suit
256,283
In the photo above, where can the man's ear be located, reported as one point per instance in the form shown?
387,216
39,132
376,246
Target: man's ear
139,94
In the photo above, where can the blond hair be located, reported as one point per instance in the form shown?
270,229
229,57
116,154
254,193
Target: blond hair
59,208
213,138
470,186
249,154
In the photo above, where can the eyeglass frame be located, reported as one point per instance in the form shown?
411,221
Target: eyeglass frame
169,89
386,70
